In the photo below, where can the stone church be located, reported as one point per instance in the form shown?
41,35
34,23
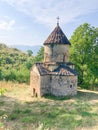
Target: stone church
55,75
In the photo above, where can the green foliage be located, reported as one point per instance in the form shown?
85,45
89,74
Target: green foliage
0,74
1,125
84,54
14,64
2,91
29,52
40,55
23,75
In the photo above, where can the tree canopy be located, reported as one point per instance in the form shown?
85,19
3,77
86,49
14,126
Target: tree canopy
40,55
29,52
84,54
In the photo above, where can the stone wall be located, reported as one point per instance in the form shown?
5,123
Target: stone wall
35,82
52,84
56,53
64,85
45,85
59,85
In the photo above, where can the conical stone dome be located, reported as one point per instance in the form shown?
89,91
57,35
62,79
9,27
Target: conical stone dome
57,37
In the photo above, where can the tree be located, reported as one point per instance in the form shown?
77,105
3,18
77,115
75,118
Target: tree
40,55
29,52
0,74
84,54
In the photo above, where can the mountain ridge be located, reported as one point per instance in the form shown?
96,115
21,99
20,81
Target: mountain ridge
24,48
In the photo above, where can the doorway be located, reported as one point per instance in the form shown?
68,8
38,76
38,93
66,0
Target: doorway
34,92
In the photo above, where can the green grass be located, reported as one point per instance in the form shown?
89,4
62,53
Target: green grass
77,114
53,113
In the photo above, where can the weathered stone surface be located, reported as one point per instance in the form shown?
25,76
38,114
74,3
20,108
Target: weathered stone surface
35,82
64,85
56,53
59,85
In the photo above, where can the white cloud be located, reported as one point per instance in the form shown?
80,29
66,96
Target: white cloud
46,11
6,23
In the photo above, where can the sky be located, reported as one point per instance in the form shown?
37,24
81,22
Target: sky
29,22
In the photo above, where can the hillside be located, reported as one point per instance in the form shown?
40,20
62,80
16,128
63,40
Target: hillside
24,48
14,63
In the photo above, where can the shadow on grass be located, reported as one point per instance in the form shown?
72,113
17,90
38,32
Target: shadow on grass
83,95
86,95
49,96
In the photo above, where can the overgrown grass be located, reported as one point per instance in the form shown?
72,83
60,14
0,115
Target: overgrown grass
50,113
2,91
68,116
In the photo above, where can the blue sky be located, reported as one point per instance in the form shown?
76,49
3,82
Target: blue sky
29,22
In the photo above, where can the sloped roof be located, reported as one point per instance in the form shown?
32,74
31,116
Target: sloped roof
57,37
62,70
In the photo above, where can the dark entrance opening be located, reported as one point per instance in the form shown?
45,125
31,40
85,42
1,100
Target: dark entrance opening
34,92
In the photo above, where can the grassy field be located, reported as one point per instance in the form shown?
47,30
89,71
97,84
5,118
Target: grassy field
20,111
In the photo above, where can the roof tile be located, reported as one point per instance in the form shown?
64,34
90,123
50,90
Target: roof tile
61,70
57,37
